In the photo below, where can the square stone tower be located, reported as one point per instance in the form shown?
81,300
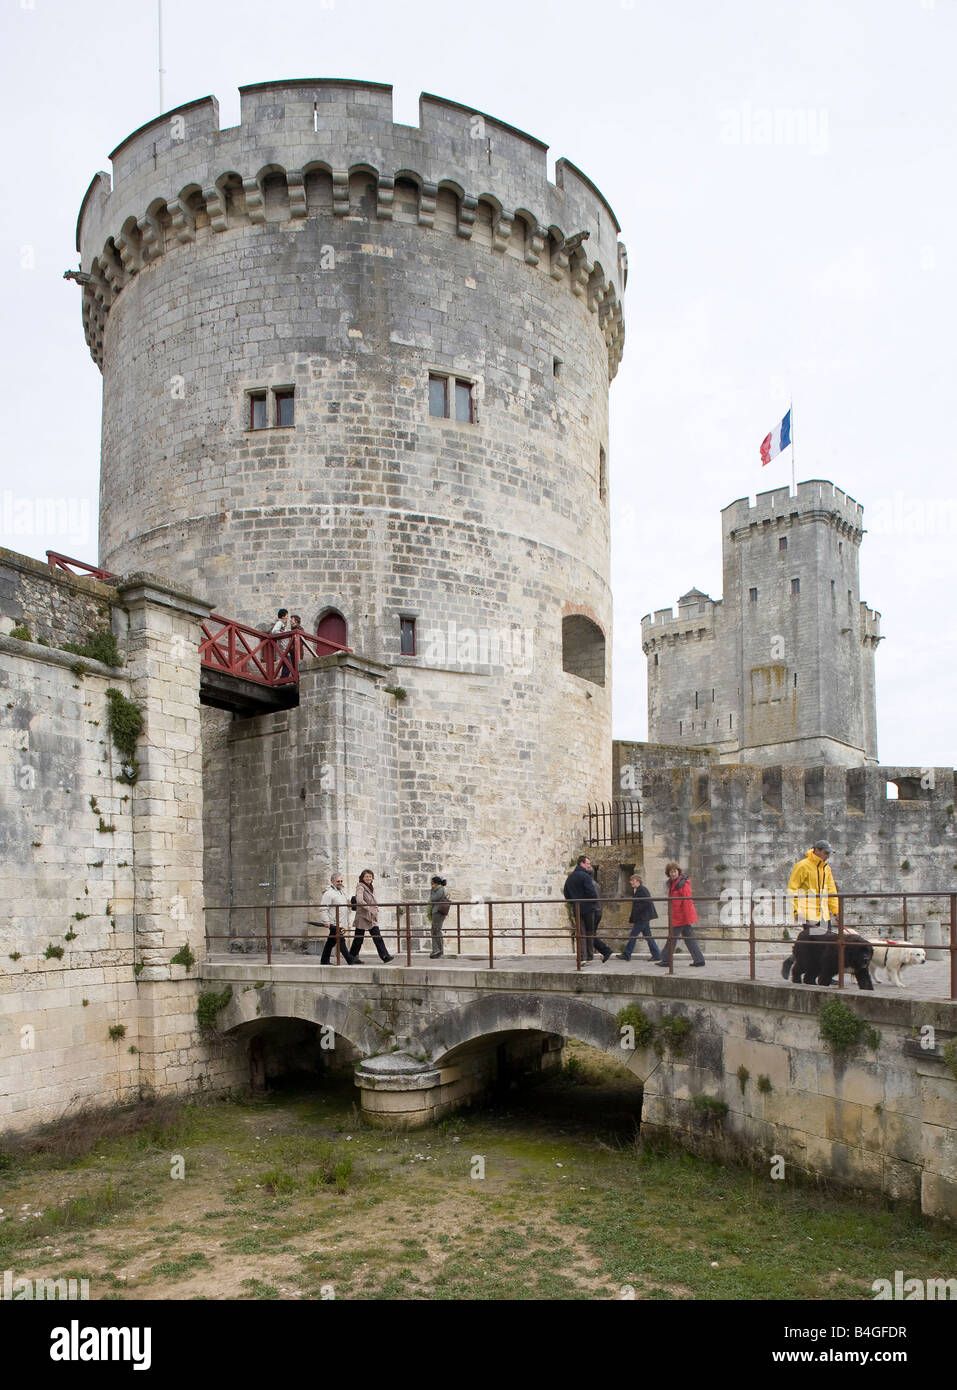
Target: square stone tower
781,669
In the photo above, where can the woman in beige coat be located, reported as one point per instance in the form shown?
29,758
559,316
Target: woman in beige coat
367,915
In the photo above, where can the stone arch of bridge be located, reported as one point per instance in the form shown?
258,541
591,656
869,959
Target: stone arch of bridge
279,1001
496,1013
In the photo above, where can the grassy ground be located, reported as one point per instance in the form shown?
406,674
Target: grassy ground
291,1197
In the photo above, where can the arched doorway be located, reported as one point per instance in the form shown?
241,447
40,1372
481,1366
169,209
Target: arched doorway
332,627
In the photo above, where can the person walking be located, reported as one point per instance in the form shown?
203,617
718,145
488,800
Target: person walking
681,916
367,916
580,888
333,897
438,909
814,904
642,912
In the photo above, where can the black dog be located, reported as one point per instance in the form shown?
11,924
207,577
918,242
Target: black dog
814,960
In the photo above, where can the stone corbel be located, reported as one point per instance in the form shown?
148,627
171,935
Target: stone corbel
534,245
184,223
151,238
255,203
502,233
340,192
580,271
467,210
113,275
215,207
129,254
427,196
296,188
385,197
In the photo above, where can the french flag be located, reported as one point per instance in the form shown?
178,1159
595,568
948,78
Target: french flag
778,439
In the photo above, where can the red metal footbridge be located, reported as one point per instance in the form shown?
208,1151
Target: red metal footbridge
234,656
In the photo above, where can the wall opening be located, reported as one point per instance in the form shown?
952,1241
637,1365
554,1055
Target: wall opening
583,649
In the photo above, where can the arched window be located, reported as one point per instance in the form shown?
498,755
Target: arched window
583,649
331,625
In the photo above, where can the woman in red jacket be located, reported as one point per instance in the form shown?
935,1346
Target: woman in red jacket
681,916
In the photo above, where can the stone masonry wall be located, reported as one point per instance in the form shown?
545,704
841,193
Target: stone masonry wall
104,871
54,606
726,824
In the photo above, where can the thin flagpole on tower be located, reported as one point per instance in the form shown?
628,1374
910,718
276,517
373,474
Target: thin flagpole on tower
794,487
159,46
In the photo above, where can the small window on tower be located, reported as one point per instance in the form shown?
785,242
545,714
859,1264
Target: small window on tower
407,636
463,401
753,595
257,410
285,407
795,587
438,394
656,658
782,543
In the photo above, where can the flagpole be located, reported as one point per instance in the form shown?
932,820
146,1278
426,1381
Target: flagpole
793,470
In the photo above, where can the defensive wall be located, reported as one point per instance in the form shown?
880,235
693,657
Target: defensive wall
101,863
727,823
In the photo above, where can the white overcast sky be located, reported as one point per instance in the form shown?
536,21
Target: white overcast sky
822,266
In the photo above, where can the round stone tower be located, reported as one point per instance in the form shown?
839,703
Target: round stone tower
361,370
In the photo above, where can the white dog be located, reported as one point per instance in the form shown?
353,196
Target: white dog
894,956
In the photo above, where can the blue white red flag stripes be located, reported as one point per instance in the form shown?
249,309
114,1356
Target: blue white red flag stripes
778,439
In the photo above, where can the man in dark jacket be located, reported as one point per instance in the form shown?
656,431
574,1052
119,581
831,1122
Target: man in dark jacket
580,888
642,911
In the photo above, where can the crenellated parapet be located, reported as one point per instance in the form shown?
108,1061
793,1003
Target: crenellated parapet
815,500
328,148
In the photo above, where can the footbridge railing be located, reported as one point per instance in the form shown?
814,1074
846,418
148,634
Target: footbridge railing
231,647
514,927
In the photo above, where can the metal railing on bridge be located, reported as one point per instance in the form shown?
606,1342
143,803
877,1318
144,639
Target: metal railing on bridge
505,923
263,657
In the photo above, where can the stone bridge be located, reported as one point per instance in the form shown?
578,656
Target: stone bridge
425,1041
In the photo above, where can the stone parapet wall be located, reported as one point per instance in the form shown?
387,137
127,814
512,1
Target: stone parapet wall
54,606
728,823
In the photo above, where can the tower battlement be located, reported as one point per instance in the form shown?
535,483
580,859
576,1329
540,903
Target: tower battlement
816,500
311,147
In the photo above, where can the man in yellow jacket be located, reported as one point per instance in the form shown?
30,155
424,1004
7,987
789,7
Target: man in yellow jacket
813,895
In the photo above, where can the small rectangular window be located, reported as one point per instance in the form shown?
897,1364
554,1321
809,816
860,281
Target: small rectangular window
257,410
782,543
795,680
285,408
753,595
850,605
438,396
463,401
795,586
407,636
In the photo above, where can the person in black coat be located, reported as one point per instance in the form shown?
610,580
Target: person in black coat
580,887
642,912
